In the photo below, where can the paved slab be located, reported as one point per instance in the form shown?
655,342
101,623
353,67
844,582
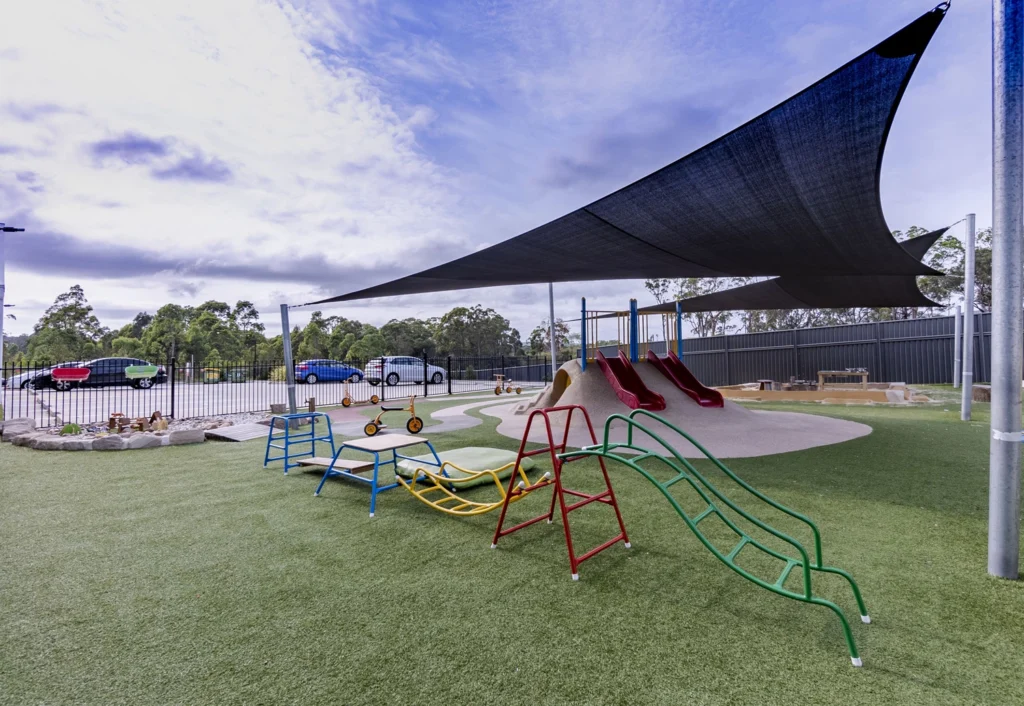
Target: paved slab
238,432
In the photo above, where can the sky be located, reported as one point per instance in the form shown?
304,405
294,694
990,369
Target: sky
288,151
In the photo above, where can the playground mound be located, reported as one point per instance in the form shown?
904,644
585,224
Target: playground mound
730,431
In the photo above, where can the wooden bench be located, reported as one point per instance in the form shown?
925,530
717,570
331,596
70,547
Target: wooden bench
862,374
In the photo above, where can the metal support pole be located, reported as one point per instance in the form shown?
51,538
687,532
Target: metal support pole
1007,289
957,323
289,363
3,314
551,313
679,330
968,362
583,332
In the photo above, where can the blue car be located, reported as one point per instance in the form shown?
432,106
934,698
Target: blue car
323,370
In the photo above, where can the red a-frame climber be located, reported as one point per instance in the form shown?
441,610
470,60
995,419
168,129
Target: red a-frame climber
607,496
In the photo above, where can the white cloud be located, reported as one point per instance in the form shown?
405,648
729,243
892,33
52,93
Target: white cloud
319,162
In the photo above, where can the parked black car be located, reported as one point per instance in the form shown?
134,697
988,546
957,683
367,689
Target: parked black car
104,372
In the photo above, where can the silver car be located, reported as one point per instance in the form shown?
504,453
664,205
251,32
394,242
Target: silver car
393,369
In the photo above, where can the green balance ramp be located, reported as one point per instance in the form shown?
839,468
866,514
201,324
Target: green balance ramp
806,564
471,458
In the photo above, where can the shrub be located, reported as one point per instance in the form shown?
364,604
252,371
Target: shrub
279,374
469,373
70,429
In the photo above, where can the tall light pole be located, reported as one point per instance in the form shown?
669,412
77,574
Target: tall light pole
3,229
1007,286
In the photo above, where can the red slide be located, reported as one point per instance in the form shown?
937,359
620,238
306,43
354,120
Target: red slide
673,368
627,383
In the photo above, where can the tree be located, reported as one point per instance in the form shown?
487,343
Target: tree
212,338
247,320
314,340
475,331
165,336
68,330
408,337
540,337
372,345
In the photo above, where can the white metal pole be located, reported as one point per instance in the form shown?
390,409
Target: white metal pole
551,307
957,323
289,363
967,379
3,313
1007,286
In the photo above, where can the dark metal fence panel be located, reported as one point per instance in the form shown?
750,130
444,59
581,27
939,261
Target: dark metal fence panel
912,351
918,351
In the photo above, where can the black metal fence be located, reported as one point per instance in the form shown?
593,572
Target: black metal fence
191,389
916,351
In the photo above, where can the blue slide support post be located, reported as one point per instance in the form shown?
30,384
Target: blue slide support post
634,333
583,332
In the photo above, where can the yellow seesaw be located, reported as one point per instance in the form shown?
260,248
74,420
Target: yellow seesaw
439,490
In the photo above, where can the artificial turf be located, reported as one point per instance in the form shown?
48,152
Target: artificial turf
192,575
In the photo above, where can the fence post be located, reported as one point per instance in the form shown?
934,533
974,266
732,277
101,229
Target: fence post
174,374
796,355
449,375
878,352
728,371
503,366
426,380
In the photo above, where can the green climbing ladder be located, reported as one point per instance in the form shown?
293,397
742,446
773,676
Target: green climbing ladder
716,503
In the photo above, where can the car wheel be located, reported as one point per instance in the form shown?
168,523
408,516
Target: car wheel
437,378
26,385
144,383
311,379
62,385
374,383
355,377
392,379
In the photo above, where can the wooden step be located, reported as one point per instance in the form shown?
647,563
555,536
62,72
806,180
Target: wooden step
340,463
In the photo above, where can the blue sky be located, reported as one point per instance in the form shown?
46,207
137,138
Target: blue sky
285,151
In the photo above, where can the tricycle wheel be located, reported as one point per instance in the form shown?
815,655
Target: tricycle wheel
497,390
519,390
374,399
371,429
346,402
508,389
414,425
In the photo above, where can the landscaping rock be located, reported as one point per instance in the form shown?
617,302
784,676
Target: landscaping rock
14,427
25,438
108,443
187,436
144,441
76,445
47,442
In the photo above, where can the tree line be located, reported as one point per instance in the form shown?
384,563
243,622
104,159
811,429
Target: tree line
69,330
947,255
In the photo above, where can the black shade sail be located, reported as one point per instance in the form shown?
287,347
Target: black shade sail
835,292
793,191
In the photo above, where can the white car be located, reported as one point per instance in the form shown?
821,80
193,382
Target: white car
393,369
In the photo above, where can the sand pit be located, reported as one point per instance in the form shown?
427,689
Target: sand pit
728,432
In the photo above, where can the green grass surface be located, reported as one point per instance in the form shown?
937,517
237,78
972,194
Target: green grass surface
191,575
